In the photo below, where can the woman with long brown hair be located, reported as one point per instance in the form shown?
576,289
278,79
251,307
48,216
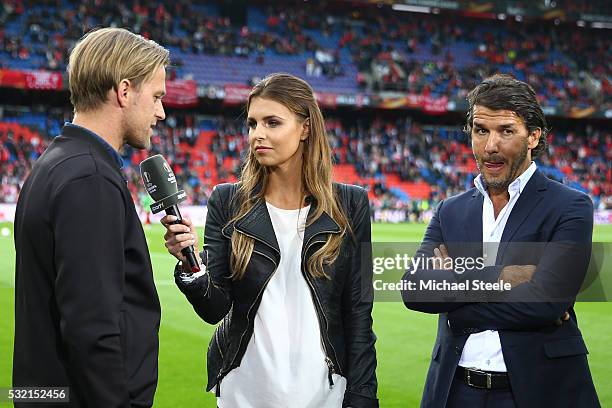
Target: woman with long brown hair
287,266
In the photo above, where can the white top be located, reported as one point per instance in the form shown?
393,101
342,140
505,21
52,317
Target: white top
483,350
284,364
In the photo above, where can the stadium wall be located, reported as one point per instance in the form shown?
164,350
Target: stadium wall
197,213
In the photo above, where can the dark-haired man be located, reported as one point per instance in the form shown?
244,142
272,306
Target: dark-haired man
509,352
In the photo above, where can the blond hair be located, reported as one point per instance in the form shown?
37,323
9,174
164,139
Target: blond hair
295,94
103,58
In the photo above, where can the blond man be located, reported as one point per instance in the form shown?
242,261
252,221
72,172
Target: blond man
86,308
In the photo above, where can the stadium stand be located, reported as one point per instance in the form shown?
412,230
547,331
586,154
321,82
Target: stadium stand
404,164
408,164
339,52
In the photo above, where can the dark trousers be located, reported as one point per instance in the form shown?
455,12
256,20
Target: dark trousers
463,396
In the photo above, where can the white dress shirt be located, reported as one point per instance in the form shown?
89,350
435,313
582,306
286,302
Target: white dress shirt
284,363
483,350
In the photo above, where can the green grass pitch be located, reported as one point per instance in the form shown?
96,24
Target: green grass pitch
405,338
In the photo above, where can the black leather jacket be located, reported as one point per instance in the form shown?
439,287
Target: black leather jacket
343,303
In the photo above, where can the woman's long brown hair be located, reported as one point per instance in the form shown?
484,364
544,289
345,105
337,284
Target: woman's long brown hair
298,97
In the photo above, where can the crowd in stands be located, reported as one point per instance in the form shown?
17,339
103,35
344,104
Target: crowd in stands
16,158
426,54
437,155
584,7
568,67
441,156
54,28
584,157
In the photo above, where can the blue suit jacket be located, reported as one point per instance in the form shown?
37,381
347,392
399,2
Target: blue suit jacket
546,363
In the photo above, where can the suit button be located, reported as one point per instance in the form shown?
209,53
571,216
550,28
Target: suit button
457,350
